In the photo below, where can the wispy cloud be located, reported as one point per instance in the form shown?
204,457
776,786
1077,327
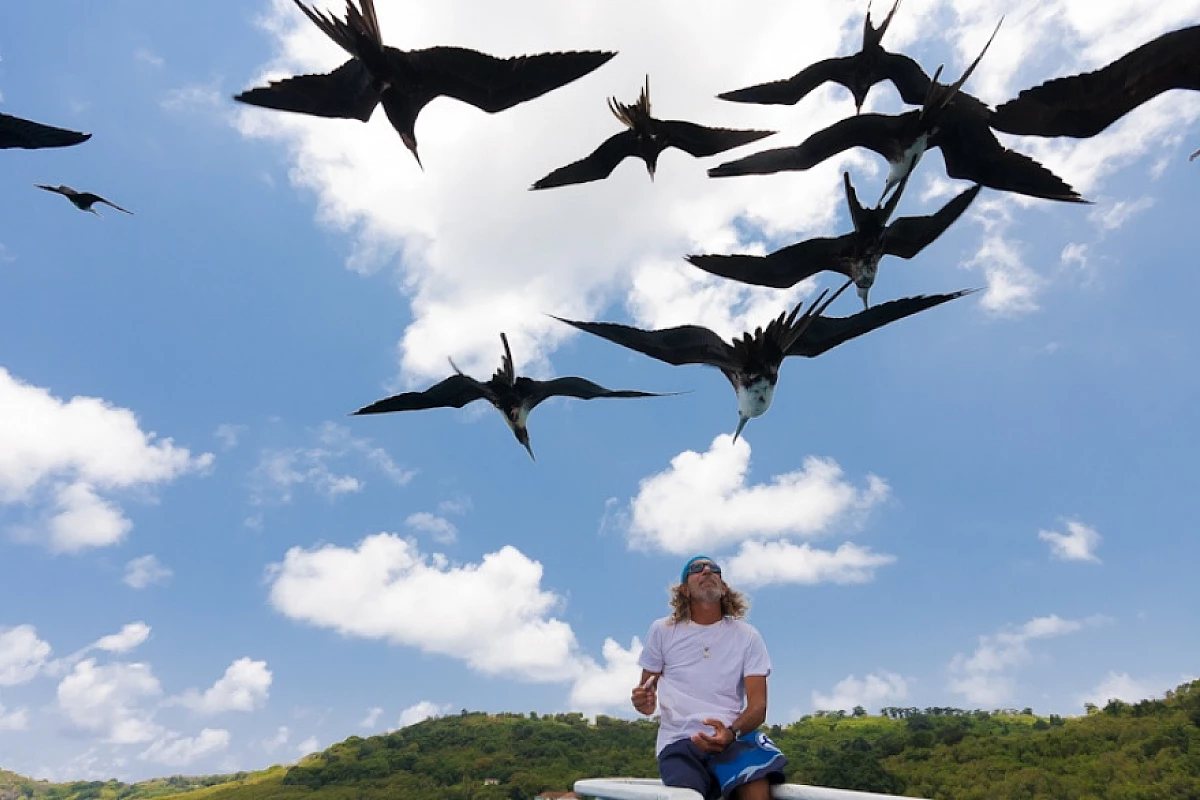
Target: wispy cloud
1079,543
145,571
22,655
761,563
180,751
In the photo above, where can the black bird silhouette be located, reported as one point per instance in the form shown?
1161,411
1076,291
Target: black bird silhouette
858,73
406,80
646,137
82,200
855,255
1083,105
751,364
30,135
512,395
1192,157
959,129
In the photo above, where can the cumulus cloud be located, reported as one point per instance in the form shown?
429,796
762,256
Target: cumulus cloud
1079,543
180,751
309,745
703,501
605,686
280,739
1122,686
761,563
15,720
372,717
872,691
129,637
145,571
58,457
112,701
441,529
420,711
22,655
245,686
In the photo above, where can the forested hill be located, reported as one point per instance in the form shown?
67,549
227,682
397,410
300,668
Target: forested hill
1147,750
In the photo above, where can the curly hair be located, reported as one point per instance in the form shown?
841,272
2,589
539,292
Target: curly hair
733,604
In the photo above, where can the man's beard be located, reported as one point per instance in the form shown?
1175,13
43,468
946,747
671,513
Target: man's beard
708,594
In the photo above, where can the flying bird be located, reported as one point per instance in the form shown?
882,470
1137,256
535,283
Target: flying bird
959,129
512,395
646,138
855,255
84,201
404,81
858,73
1083,105
30,135
1192,157
751,364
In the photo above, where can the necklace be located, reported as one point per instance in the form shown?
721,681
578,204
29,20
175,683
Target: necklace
707,641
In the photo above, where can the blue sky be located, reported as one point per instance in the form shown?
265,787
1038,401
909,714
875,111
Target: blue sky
209,566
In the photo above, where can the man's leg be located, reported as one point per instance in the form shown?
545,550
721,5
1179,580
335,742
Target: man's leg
681,764
754,790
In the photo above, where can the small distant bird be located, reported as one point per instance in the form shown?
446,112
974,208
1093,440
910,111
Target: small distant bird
646,137
1192,157
855,255
82,200
406,80
751,364
30,135
512,395
858,73
1083,105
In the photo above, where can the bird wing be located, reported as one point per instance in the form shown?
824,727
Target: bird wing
1083,105
910,80
685,344
596,166
783,268
95,198
581,388
825,333
908,236
346,93
700,140
878,132
30,135
972,152
454,392
494,84
791,90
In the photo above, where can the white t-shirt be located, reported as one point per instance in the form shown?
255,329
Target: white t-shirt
703,672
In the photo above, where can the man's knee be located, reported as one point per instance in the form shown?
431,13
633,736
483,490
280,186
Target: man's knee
754,790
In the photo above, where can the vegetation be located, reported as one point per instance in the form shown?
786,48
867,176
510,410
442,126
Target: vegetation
1123,751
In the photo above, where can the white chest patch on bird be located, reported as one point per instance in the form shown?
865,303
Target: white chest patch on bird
755,399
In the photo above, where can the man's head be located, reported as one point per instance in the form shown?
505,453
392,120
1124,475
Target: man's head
702,577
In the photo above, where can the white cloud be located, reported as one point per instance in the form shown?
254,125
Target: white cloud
873,691
178,751
128,638
1079,543
147,57
441,529
1112,216
16,720
309,745
420,711
1012,286
703,501
494,615
245,686
57,457
145,571
372,717
1121,686
22,655
761,563
278,740
984,676
606,686
229,434
111,701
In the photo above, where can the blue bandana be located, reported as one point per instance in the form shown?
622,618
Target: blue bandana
684,575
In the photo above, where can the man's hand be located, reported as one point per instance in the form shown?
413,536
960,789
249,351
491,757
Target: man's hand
717,741
645,697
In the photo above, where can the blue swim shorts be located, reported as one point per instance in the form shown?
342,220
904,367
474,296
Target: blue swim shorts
750,757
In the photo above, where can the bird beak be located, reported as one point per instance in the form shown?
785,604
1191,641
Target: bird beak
411,144
863,292
741,424
529,450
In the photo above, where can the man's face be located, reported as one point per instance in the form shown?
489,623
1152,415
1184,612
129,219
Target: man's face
705,585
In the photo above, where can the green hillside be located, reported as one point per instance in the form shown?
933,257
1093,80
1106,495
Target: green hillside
1148,750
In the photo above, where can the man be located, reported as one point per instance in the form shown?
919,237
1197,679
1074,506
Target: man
711,670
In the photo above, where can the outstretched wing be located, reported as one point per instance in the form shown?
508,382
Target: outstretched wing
95,198
700,140
494,84
596,166
973,153
454,392
685,344
878,132
791,90
783,268
30,135
581,388
346,93
825,333
908,236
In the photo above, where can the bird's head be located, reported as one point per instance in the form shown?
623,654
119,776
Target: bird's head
516,416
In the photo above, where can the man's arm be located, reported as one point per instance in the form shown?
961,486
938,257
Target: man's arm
753,715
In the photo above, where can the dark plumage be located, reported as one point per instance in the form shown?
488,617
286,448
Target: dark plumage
1083,105
751,363
858,73
646,137
82,200
30,135
512,395
855,255
406,80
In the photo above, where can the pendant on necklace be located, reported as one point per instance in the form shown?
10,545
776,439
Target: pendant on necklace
706,652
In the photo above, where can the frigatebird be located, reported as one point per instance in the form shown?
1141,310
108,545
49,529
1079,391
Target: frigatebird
406,80
855,255
1083,105
960,129
858,73
514,396
1192,157
645,137
751,363
81,200
30,135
